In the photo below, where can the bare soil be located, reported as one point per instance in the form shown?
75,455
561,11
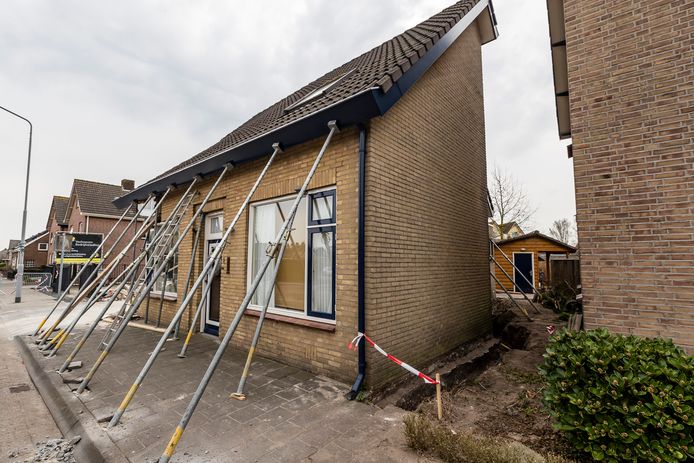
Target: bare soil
504,401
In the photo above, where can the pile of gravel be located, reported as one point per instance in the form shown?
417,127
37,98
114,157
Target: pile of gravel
52,451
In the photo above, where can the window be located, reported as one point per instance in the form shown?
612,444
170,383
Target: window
30,263
170,273
319,92
305,285
43,246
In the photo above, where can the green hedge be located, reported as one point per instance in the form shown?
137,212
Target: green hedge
621,398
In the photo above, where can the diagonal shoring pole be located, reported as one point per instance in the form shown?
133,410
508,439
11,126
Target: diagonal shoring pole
211,264
525,312
239,395
75,279
173,442
90,303
134,265
513,282
130,271
132,243
191,266
102,279
204,295
143,294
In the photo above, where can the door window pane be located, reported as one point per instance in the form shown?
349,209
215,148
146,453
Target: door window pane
322,277
322,207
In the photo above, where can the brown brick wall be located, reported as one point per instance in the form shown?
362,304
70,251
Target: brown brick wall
631,68
32,253
427,280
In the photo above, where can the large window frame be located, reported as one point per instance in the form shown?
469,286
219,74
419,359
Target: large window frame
325,225
172,270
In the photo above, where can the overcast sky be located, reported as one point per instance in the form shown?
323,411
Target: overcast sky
128,89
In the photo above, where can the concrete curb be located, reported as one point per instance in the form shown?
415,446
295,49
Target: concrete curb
70,414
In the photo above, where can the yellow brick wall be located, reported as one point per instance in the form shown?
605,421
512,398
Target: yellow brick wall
427,278
306,347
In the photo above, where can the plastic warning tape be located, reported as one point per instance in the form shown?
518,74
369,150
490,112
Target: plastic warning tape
355,343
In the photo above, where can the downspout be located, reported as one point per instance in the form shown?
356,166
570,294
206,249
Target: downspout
361,304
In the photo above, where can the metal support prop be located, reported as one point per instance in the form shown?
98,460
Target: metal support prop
143,294
76,278
191,265
514,266
513,283
525,312
175,438
130,271
102,279
239,395
205,294
163,291
211,264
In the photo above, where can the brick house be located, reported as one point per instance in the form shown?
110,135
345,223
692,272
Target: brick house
35,251
403,241
90,210
623,78
56,223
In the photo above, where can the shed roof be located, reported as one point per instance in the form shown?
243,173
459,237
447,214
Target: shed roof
536,234
360,89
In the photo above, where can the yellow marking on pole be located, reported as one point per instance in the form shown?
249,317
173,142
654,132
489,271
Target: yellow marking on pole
57,337
247,366
62,340
173,442
41,325
128,397
188,336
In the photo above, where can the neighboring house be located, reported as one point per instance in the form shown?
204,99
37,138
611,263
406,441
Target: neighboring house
12,253
623,78
35,251
56,223
508,230
526,259
411,115
5,258
90,210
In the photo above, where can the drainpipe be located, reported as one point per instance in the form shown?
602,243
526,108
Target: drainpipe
361,312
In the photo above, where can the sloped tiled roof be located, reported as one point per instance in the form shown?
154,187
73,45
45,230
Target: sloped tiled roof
380,67
35,236
96,198
13,244
58,210
537,234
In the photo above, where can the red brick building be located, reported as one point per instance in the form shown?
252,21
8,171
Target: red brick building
35,252
623,73
400,237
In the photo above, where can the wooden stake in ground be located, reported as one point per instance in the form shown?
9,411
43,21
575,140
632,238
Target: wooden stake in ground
439,405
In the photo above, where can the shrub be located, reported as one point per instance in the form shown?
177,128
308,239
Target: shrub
561,298
621,398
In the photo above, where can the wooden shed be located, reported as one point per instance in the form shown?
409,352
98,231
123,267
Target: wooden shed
530,254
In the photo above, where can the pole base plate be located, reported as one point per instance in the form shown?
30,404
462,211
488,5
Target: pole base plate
238,396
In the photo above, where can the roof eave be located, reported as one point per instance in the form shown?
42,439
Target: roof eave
560,74
357,109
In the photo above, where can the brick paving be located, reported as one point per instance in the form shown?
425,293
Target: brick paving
290,414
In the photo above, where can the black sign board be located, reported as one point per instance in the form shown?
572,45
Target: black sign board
78,248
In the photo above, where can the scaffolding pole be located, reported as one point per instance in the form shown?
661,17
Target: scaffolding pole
131,269
513,283
101,279
131,311
239,395
205,294
211,264
516,268
173,442
194,253
76,278
525,312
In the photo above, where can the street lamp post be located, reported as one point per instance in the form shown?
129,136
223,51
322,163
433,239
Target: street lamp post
20,256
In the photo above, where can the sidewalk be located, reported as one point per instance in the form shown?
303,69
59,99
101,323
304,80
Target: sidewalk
24,419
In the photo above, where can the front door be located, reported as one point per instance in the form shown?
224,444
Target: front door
523,263
213,234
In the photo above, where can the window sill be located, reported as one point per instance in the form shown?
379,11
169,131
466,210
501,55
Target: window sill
329,327
167,296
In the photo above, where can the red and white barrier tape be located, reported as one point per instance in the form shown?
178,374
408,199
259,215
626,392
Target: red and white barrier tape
355,343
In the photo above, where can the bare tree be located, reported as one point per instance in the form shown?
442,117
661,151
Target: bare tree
509,200
563,230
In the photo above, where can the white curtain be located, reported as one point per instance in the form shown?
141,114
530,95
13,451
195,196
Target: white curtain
263,233
322,272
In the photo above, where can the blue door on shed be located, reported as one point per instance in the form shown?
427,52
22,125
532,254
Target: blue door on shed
523,262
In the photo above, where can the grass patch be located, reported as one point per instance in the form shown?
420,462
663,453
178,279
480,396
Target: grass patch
424,435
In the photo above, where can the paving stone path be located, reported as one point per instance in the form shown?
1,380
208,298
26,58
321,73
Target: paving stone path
290,415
